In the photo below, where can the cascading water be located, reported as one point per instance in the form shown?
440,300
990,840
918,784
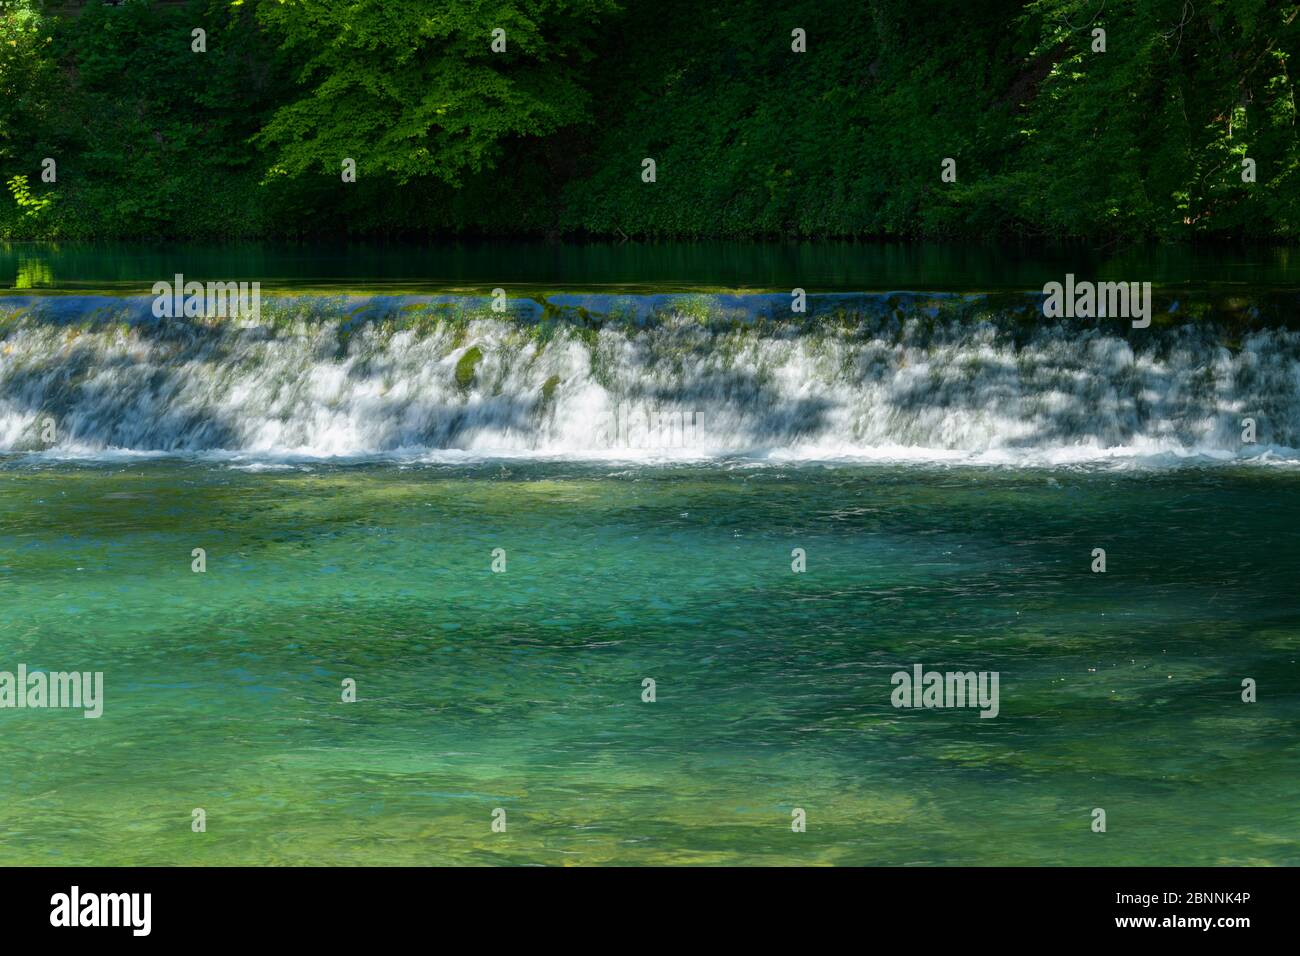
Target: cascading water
876,376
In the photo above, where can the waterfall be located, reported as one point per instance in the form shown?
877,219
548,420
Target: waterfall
901,376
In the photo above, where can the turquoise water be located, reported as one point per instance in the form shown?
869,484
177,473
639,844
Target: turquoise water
522,690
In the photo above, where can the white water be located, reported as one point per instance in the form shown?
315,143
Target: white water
903,389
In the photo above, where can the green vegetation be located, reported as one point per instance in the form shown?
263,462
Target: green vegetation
413,89
467,365
751,139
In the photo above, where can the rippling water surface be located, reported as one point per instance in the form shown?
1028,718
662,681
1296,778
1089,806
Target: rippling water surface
522,690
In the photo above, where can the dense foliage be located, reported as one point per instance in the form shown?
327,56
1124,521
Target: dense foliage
1050,135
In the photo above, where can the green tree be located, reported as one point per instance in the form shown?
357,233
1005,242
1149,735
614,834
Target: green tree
409,88
28,80
1148,137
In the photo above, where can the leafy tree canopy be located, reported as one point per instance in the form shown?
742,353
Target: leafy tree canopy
1153,129
411,88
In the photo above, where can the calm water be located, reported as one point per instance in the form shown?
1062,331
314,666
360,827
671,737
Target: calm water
816,266
522,690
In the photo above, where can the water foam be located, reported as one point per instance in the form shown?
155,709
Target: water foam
897,379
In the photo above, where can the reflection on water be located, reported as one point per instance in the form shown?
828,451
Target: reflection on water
34,273
821,266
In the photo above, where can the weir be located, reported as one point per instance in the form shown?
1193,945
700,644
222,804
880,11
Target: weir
907,376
